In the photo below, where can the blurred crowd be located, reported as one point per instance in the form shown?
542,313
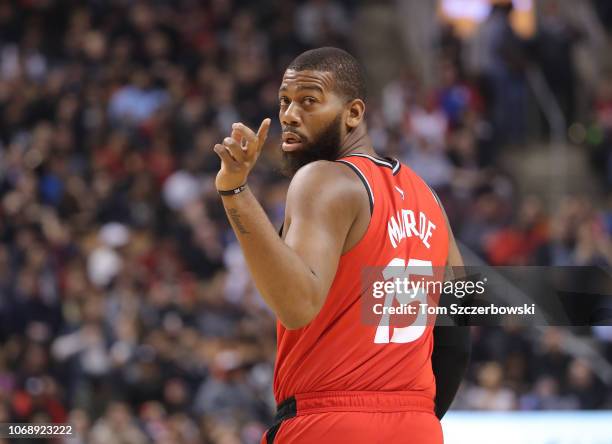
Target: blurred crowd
126,307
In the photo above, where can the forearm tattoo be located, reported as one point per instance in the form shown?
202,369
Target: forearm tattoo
235,217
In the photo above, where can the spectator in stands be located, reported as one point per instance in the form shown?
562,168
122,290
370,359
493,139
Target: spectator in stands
490,394
553,48
498,57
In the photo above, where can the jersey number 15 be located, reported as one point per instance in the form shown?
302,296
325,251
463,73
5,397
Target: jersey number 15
398,269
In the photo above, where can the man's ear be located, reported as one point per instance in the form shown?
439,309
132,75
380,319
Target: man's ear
355,113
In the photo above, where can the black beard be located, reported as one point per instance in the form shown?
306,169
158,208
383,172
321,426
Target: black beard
325,147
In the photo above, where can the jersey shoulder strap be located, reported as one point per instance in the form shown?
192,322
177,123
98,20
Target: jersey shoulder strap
367,168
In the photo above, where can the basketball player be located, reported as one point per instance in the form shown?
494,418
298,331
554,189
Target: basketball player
336,380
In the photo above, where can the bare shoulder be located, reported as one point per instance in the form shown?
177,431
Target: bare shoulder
325,181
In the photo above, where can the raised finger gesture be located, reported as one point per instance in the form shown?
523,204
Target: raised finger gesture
239,153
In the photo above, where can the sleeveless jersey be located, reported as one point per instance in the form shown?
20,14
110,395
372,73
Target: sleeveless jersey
337,350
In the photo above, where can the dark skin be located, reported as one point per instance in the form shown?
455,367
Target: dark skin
327,209
309,102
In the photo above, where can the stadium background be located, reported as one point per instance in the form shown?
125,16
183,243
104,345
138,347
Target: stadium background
125,305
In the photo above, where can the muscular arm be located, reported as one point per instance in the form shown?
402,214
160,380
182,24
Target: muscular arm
451,353
294,275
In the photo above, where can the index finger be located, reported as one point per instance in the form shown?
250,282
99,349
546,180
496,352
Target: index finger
262,133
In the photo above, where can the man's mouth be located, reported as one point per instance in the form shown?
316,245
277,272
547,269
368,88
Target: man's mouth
291,141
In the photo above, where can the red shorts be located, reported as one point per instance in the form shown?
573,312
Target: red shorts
356,417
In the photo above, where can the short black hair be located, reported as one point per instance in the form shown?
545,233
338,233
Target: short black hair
348,73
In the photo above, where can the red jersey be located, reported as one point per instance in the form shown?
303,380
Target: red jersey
337,351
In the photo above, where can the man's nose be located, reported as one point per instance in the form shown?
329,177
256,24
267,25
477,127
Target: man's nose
290,116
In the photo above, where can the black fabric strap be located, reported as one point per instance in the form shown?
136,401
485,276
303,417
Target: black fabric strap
240,189
285,410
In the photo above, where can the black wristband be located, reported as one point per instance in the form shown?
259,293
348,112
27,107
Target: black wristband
240,189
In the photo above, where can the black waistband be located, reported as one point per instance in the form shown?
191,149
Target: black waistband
285,410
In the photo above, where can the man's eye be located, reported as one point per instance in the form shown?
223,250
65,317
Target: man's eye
309,100
284,101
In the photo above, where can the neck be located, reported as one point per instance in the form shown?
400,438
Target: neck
357,142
